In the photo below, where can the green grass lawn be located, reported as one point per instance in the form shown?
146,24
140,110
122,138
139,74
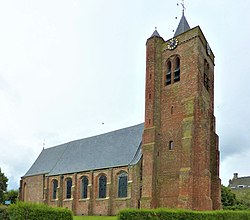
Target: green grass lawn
95,217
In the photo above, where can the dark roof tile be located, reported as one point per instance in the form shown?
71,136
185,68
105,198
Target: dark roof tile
183,26
113,149
240,181
155,34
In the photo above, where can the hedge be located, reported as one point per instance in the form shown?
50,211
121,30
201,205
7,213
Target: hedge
3,212
31,211
172,214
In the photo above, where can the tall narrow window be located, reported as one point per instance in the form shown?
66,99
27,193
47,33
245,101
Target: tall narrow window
177,70
68,188
102,186
168,73
25,192
206,75
122,185
85,183
172,110
171,145
54,187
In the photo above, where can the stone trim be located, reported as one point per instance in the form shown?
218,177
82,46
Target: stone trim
122,199
102,199
67,200
84,200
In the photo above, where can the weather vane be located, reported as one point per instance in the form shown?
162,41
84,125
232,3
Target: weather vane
183,6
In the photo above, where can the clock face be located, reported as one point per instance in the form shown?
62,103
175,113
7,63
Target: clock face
172,44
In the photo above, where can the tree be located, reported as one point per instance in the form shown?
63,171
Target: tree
229,200
3,185
11,195
243,196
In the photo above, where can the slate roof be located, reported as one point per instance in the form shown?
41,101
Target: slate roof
155,34
118,148
240,181
183,26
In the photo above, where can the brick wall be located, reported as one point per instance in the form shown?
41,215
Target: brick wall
40,189
181,114
33,189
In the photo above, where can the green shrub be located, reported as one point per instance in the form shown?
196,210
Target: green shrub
31,211
173,214
3,213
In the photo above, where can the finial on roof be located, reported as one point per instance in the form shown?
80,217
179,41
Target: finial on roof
155,34
43,144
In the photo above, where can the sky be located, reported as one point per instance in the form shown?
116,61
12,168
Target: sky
74,69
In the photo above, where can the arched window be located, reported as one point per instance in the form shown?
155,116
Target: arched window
177,70
168,73
54,188
102,186
122,185
68,188
85,183
25,197
206,75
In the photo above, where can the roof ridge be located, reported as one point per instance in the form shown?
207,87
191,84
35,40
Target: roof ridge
243,177
112,149
93,136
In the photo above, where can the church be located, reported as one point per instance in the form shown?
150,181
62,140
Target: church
171,160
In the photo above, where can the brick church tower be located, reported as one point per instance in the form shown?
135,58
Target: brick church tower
180,147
